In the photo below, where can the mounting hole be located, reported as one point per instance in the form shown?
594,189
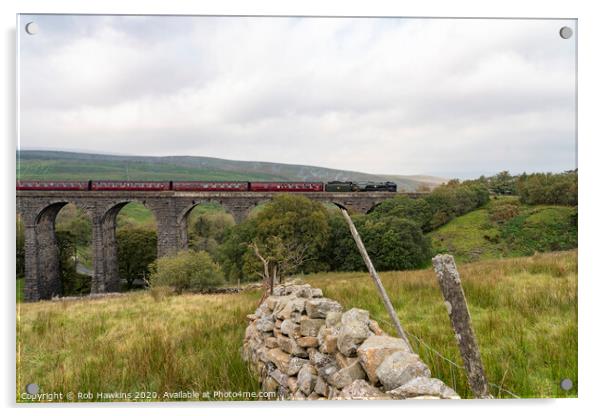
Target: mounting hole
566,384
566,32
31,28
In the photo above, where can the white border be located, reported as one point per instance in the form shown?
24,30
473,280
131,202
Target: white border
590,34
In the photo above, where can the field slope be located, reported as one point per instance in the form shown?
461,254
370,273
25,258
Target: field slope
524,311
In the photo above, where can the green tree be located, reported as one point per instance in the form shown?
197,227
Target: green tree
286,227
72,282
186,271
136,250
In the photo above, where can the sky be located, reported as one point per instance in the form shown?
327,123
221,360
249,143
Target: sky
447,97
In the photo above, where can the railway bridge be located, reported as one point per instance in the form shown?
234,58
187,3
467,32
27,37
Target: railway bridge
38,211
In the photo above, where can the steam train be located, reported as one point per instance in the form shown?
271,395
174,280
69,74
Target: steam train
207,186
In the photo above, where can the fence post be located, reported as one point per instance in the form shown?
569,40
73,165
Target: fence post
374,274
457,309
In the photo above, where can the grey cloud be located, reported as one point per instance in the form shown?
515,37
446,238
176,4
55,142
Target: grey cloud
379,95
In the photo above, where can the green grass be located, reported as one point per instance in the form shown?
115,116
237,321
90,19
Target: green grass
524,312
476,236
135,343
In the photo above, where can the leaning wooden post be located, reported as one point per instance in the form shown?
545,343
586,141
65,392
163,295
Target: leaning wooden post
455,301
374,274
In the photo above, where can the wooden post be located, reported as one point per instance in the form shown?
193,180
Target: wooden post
457,309
374,274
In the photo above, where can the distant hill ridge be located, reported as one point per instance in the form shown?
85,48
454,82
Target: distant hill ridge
43,164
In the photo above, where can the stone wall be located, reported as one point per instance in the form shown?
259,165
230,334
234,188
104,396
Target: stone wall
305,347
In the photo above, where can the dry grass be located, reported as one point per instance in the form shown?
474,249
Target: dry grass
142,342
524,311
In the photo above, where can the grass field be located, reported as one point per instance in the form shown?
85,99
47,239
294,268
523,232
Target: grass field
135,343
524,312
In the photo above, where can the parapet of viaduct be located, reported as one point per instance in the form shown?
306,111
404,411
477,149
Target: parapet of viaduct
303,346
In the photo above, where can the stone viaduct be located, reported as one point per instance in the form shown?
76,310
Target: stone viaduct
38,211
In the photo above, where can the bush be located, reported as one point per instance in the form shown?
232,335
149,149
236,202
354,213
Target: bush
503,210
392,243
549,188
186,271
72,282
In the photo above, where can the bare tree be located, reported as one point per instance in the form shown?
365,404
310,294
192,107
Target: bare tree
278,259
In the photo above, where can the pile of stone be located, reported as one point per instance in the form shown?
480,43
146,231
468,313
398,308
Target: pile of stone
303,346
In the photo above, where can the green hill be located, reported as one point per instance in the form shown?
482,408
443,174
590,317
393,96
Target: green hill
38,164
506,228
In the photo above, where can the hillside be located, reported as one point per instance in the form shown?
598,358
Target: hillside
38,164
506,228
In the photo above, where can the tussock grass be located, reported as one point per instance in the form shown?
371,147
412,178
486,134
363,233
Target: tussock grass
142,342
524,312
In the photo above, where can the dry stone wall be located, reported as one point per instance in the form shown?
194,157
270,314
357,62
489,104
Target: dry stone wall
306,347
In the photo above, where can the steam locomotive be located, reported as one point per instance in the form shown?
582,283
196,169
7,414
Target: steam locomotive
207,186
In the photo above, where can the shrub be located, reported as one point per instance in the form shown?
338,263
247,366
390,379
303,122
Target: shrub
186,271
548,188
504,210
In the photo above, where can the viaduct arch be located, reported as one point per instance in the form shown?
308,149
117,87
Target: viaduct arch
38,211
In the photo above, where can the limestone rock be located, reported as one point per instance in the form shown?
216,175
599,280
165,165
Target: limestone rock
351,336
292,384
306,379
310,327
271,342
399,368
322,387
271,302
374,327
295,364
264,325
319,307
269,384
290,328
281,378
348,375
361,390
305,342
319,360
355,314
424,386
298,395
329,346
316,293
375,349
279,358
290,345
333,319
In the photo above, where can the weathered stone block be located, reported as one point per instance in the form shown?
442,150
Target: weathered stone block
361,390
295,364
290,328
279,358
351,336
333,319
306,379
319,307
423,386
311,327
348,375
355,314
399,368
290,345
322,387
375,349
308,342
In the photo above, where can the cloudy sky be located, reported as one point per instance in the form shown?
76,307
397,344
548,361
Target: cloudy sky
402,96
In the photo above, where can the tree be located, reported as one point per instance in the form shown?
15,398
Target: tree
186,271
289,233
136,250
72,282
